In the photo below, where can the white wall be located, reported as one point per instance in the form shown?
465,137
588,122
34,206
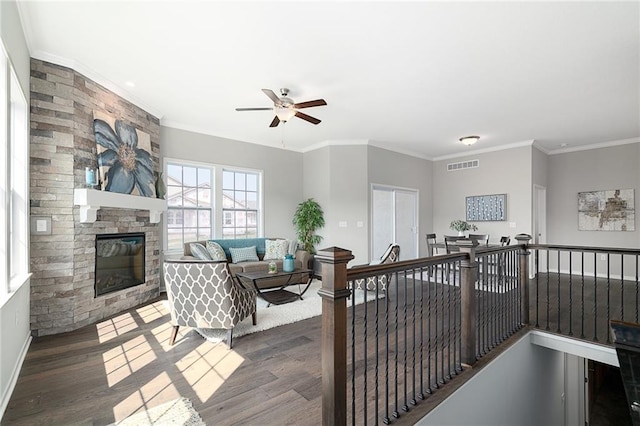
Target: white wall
615,167
508,171
14,311
522,386
282,177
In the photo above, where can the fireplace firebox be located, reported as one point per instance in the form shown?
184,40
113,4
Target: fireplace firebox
119,261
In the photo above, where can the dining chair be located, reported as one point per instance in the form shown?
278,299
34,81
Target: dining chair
450,243
482,239
431,240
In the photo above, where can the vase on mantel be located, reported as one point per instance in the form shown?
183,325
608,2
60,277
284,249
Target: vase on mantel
161,189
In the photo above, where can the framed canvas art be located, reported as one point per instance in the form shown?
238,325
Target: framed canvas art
124,157
485,208
610,210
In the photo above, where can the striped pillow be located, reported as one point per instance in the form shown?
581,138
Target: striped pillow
199,251
244,254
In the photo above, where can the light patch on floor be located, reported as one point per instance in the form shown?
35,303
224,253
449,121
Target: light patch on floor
157,391
115,326
124,360
207,367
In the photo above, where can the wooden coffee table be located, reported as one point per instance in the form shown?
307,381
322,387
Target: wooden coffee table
277,295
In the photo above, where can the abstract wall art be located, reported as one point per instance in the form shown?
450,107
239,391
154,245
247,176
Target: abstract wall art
484,208
611,210
124,157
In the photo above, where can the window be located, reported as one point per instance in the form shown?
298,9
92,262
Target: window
14,175
208,201
190,211
239,204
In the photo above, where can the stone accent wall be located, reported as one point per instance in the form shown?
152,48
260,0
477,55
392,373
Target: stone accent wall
62,145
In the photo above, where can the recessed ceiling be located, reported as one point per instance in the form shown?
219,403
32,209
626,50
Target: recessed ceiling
413,76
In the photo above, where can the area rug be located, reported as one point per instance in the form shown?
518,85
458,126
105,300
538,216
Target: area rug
176,412
277,315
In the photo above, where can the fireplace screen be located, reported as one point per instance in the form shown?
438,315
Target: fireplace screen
119,261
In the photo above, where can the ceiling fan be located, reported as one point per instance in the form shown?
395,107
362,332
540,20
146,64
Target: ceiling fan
285,107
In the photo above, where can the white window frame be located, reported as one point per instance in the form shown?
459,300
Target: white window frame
14,181
246,210
216,205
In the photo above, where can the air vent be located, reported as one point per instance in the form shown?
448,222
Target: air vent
472,164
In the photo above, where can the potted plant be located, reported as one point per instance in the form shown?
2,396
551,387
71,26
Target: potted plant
308,218
461,226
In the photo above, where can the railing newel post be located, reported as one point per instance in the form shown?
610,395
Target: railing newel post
334,294
523,263
469,322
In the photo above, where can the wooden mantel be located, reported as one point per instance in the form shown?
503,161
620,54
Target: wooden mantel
91,200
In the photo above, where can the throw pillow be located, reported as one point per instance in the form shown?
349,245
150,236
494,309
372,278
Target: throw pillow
244,254
216,251
293,246
275,249
199,251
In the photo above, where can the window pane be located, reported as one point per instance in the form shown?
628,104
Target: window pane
240,182
252,182
252,200
3,172
204,177
174,239
240,199
203,234
190,197
189,176
174,174
204,197
204,218
190,218
174,195
227,200
227,180
252,233
190,235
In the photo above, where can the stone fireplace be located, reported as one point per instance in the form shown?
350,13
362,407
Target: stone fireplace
62,145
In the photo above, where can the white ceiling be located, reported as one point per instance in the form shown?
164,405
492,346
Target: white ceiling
412,76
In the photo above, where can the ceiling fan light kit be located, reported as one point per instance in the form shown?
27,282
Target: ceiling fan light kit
469,140
285,108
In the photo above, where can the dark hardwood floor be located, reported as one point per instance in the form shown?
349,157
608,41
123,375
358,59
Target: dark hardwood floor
105,372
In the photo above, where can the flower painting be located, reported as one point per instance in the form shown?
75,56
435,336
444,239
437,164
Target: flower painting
124,157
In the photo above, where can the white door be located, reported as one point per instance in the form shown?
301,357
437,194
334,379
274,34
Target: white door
394,219
540,225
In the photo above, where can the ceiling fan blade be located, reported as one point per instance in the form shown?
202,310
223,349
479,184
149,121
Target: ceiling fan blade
276,100
254,109
306,117
308,104
275,122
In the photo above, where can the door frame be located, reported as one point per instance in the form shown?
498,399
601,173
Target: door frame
393,188
539,225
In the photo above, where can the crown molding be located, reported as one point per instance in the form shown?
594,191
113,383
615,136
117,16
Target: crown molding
540,148
595,146
347,142
485,150
97,78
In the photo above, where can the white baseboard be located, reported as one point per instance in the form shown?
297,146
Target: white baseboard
6,394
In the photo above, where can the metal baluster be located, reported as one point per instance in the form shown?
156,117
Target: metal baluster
396,413
353,353
595,297
622,287
413,351
582,296
421,393
570,294
608,294
386,420
559,303
429,341
405,406
364,344
377,346
636,288
547,328
537,287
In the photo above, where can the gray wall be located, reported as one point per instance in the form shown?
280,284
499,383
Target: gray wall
522,386
614,167
316,185
508,171
14,312
282,170
393,169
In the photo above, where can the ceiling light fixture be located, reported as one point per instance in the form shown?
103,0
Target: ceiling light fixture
284,113
469,140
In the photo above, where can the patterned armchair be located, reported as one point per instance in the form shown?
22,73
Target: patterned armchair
390,255
203,294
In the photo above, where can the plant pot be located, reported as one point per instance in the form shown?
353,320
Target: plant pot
460,233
